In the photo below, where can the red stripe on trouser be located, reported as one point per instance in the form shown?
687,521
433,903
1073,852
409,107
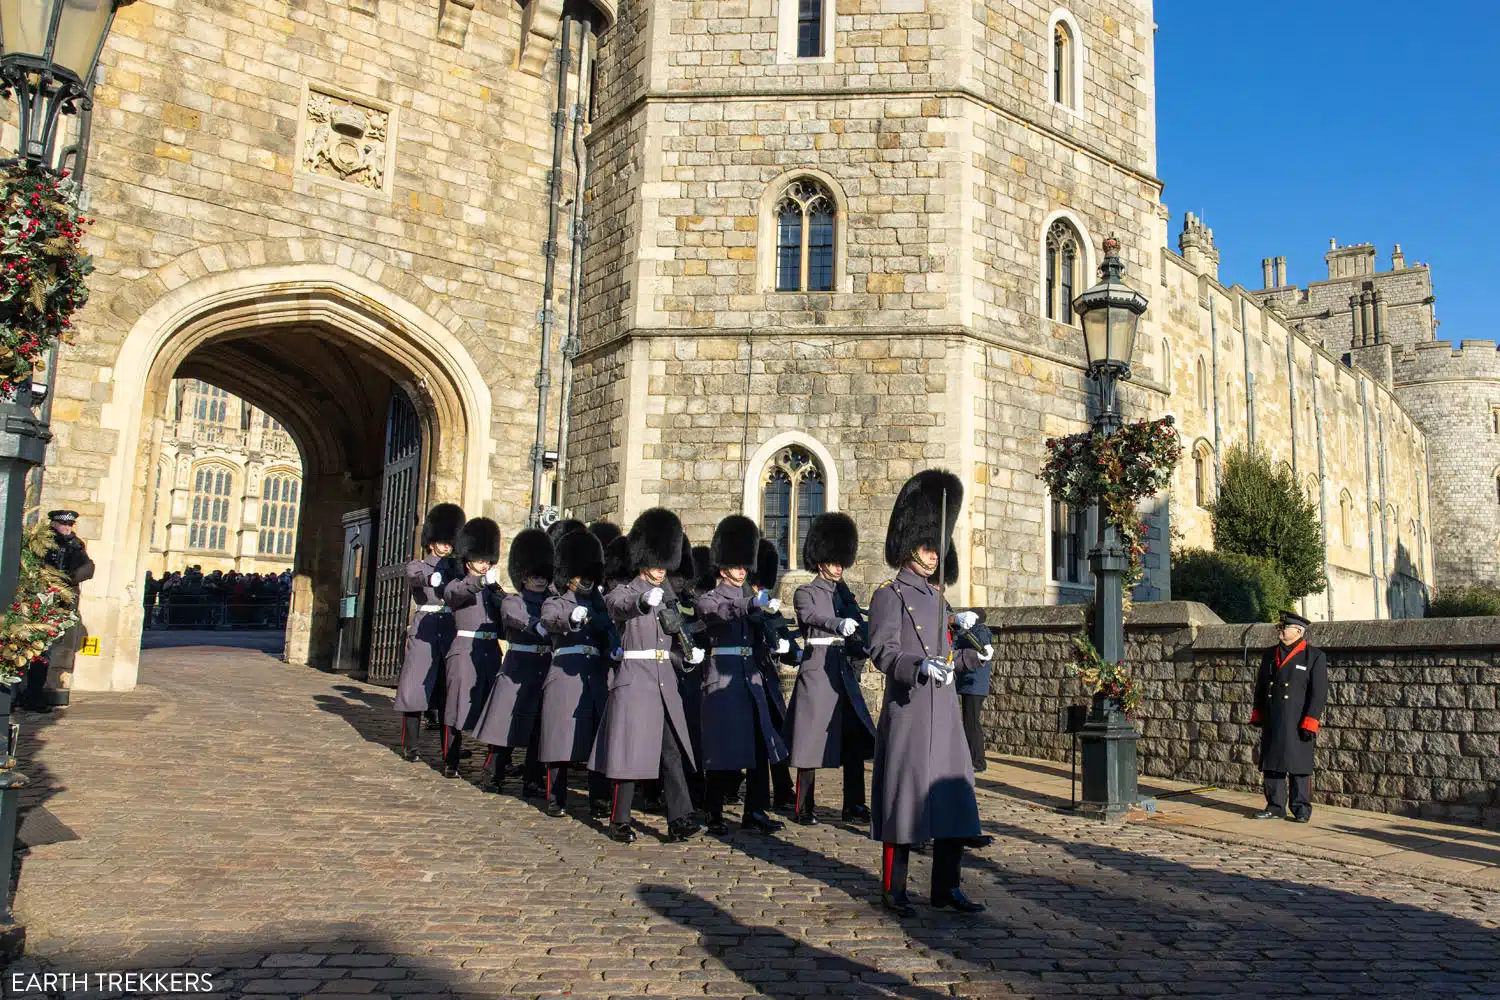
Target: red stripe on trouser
549,784
445,741
800,807
888,862
614,803
488,759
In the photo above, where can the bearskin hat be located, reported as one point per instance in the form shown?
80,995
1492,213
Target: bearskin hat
478,540
605,531
579,554
566,526
916,519
656,540
767,565
833,538
684,578
736,543
707,577
531,554
617,561
442,524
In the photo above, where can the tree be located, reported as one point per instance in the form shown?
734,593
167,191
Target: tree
1260,511
1238,588
1465,602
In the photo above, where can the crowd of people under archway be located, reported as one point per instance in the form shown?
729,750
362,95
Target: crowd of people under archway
218,599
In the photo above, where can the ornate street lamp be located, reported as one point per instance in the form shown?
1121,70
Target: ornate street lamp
1110,312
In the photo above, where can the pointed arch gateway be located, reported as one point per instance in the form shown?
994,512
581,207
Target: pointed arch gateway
324,349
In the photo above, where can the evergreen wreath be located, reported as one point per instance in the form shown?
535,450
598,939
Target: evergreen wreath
43,609
44,266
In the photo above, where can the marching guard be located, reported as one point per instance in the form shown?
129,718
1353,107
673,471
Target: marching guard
737,730
577,683
509,719
431,630
829,723
923,784
473,658
643,734
776,646
1291,690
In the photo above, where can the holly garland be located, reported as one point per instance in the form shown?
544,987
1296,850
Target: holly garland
42,267
43,609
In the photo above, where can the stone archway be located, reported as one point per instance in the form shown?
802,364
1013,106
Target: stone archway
319,344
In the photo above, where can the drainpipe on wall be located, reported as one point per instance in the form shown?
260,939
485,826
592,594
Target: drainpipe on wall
1213,332
1385,545
1250,378
579,234
549,280
1322,487
1364,417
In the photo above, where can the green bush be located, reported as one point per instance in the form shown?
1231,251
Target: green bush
1261,511
1465,602
1238,588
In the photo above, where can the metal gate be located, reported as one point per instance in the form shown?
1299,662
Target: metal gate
396,538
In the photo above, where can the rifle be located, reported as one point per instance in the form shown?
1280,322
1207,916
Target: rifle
672,622
856,646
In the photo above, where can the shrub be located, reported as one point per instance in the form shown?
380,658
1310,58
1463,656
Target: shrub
1465,602
1261,511
1236,587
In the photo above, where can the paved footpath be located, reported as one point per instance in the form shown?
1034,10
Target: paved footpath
243,816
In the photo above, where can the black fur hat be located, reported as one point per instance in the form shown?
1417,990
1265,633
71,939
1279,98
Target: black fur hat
605,531
531,554
684,579
736,543
566,526
478,539
656,540
579,554
617,561
442,524
767,565
707,578
916,519
833,538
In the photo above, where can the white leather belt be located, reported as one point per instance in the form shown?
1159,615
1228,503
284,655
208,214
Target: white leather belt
517,647
733,651
646,654
466,634
826,640
435,609
575,651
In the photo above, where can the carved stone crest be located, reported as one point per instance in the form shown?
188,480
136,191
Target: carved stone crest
344,140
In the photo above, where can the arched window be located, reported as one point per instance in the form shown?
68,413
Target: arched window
805,220
212,403
1203,474
792,494
1068,544
1064,54
278,514
809,28
156,500
209,527
1064,264
1346,506
1166,365
1202,381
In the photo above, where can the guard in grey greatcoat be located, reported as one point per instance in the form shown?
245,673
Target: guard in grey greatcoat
643,734
829,723
775,646
923,785
509,719
1290,693
584,644
431,629
473,659
737,730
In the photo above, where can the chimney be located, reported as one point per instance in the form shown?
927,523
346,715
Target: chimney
1358,339
1196,244
1398,259
1381,318
1266,278
1367,315
1280,272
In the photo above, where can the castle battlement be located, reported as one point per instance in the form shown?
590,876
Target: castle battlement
1472,359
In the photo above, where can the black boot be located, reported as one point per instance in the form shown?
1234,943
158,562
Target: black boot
761,822
954,898
858,813
805,817
679,830
621,833
893,881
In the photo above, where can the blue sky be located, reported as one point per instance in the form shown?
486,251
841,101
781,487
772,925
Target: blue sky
1372,122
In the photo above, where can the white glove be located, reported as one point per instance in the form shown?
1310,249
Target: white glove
492,575
965,620
579,616
761,599
653,597
847,627
783,647
938,670
697,656
435,580
773,606
987,655
541,630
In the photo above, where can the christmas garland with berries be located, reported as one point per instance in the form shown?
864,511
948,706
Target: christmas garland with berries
44,607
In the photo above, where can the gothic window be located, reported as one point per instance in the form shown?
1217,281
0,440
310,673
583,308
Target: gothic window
156,502
1063,267
805,238
1064,65
1203,474
1346,503
1202,385
1068,526
809,28
278,514
793,492
1495,420
211,404
1166,366
209,527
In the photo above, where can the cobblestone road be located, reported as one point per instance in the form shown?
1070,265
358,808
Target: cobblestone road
244,816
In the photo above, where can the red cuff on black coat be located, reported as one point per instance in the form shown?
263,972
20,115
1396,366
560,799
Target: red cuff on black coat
1255,718
1310,724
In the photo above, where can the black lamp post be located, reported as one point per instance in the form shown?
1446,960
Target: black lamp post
1110,312
48,52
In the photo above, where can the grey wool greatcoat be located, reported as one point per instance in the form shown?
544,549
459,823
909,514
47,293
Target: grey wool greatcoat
427,637
510,716
734,691
471,663
827,684
643,695
577,683
1290,692
923,782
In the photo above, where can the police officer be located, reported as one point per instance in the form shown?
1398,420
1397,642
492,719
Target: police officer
431,629
69,556
1290,692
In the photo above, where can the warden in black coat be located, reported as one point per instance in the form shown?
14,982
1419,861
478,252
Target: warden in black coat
1290,693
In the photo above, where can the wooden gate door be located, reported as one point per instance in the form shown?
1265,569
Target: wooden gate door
396,527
